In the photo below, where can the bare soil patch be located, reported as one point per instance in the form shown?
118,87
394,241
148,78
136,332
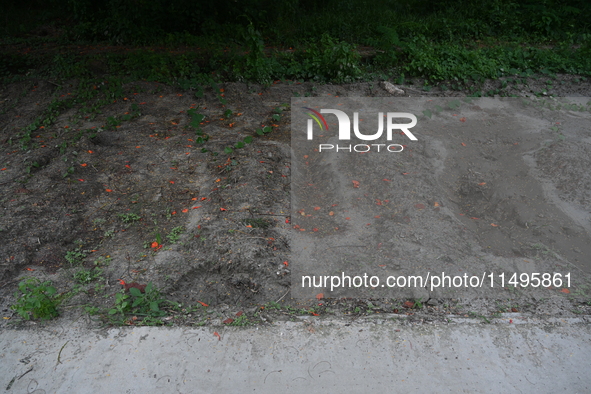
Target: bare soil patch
128,191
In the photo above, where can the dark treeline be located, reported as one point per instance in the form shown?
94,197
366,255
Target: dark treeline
287,21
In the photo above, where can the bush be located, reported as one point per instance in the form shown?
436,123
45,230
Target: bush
39,300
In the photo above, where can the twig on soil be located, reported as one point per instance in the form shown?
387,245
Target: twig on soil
59,355
30,369
283,296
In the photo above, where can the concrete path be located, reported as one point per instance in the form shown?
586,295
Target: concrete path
515,354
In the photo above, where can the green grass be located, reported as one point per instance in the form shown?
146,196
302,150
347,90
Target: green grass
247,41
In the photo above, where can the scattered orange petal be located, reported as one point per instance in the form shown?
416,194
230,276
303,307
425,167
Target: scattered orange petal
108,190
463,144
473,218
420,206
316,208
172,182
217,335
90,151
462,119
482,184
185,210
565,291
355,183
347,218
285,263
331,213
154,244
494,225
228,321
319,296
223,209
435,204
196,207
83,164
203,303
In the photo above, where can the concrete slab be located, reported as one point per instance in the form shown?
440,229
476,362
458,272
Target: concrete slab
517,354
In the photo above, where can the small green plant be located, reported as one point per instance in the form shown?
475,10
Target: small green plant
129,218
85,276
91,310
147,303
264,130
75,257
475,315
240,321
112,122
38,300
175,234
277,114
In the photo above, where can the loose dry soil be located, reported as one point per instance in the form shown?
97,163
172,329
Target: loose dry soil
103,196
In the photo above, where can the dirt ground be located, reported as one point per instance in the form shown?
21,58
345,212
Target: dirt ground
129,195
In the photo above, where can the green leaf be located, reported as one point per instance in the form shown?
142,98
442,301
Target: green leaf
260,132
154,306
427,113
228,150
248,139
135,292
454,104
239,145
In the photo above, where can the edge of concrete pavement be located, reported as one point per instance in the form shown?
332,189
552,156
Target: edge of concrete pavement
514,353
